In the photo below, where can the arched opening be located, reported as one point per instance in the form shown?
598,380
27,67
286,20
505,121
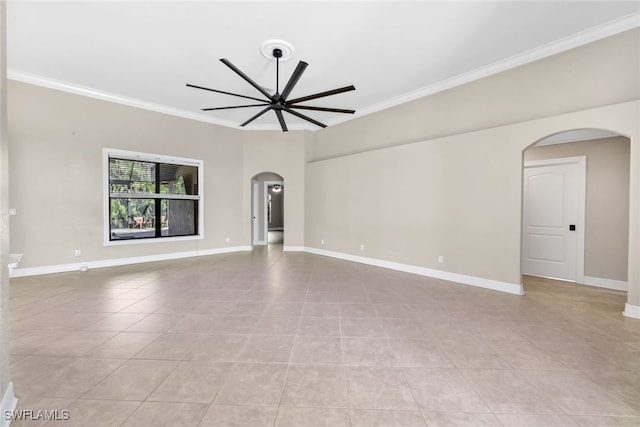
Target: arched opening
267,207
575,209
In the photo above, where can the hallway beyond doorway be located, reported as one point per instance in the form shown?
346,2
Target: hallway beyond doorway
275,237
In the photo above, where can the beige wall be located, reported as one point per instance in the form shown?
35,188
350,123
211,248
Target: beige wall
413,203
607,202
57,140
601,73
634,217
57,174
443,175
283,154
458,196
4,213
437,176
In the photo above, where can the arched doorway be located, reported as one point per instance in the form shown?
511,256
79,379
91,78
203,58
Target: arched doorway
575,215
267,207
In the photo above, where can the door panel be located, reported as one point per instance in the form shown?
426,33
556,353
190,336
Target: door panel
547,248
546,194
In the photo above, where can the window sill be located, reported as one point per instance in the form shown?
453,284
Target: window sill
125,242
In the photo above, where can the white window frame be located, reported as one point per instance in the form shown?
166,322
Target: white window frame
134,155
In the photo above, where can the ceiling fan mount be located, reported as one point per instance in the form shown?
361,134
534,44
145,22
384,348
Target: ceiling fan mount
279,102
268,46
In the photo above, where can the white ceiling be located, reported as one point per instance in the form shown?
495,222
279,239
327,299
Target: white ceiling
143,53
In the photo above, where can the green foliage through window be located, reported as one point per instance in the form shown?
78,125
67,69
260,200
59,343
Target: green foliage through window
140,199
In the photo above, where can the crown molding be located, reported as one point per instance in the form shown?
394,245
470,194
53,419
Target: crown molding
585,37
606,30
89,92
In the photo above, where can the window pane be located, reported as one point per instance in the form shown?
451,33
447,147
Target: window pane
127,176
132,218
149,198
178,179
179,217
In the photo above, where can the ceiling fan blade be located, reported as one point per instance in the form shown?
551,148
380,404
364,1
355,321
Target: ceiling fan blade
225,93
293,80
256,116
302,116
321,94
331,110
246,78
235,106
283,125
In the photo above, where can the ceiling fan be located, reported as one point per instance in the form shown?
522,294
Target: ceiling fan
279,102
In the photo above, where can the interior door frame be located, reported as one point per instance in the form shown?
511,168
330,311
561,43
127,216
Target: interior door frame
254,212
264,210
581,162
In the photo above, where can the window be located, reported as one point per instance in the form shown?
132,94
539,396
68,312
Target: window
150,196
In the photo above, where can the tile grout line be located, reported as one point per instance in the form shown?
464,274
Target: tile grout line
344,366
286,374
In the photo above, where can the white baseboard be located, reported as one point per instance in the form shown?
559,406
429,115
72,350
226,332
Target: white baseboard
63,268
632,311
9,403
495,285
618,285
14,261
511,288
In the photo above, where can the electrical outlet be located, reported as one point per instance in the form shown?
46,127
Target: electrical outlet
362,247
440,259
227,239
13,211
322,242
78,252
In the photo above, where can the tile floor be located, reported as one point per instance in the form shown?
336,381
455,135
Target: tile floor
272,339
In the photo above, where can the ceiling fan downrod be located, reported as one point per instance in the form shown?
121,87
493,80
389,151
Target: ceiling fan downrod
277,53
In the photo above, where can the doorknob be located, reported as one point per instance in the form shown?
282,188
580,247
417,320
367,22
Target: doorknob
572,227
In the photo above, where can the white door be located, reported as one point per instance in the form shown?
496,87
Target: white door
553,218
